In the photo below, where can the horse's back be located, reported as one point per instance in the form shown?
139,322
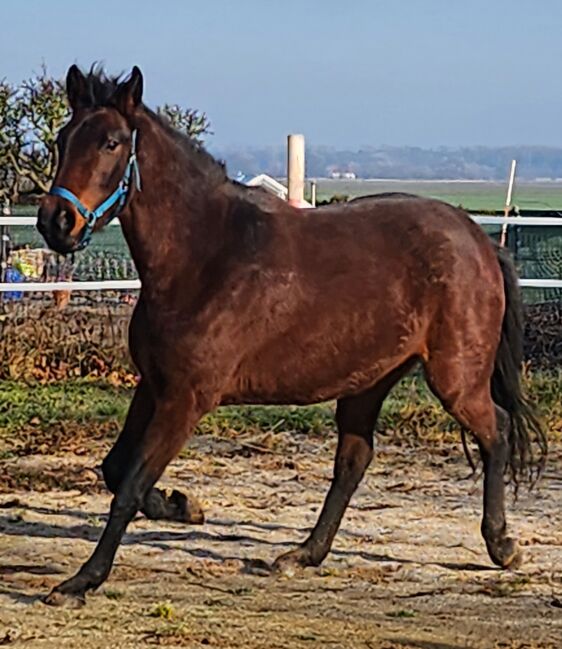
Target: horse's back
395,233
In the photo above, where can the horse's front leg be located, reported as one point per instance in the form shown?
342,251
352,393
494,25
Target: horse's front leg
173,421
157,504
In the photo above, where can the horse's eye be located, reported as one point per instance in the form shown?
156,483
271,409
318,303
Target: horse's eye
111,144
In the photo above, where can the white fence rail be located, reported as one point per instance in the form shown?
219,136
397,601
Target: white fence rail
31,220
45,287
134,284
518,220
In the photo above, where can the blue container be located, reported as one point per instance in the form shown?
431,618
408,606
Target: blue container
13,276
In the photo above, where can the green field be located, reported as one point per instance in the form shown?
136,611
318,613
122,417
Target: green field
473,195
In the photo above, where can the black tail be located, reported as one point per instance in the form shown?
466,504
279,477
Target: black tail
507,392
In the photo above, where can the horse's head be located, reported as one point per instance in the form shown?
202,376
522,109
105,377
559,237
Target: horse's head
97,159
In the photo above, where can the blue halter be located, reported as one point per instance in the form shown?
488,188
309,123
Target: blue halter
118,197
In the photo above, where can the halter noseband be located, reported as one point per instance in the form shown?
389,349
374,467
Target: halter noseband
118,197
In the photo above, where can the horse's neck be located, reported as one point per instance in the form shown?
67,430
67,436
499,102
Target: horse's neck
174,223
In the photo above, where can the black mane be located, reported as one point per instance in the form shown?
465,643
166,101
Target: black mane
101,87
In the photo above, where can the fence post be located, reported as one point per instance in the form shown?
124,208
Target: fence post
313,193
4,239
295,170
507,207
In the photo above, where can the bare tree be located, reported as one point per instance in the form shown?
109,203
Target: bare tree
30,118
187,120
8,177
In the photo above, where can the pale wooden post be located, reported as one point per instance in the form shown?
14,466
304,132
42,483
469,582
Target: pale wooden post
507,207
313,193
295,170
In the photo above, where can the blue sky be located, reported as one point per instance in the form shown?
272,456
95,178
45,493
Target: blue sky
345,73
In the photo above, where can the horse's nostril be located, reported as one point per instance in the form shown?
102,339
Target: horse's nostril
54,219
63,220
55,223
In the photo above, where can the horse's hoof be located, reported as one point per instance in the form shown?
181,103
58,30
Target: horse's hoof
515,560
177,507
68,600
290,563
188,509
507,554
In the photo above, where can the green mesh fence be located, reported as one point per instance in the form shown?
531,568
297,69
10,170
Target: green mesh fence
107,256
538,254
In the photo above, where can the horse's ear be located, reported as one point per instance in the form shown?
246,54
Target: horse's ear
129,93
77,88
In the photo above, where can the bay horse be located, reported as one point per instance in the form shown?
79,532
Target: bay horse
247,300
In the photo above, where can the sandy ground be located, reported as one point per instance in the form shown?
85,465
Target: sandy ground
408,568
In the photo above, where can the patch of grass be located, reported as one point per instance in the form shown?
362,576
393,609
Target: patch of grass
41,405
403,613
72,415
312,420
113,594
506,587
163,611
96,521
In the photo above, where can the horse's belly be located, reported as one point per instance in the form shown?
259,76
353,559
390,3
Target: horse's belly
301,374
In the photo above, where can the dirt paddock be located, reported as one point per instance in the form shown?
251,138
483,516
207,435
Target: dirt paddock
408,568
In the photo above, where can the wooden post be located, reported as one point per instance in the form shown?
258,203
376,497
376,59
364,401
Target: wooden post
313,193
507,207
4,241
295,170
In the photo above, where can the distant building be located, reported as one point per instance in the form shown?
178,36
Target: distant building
344,175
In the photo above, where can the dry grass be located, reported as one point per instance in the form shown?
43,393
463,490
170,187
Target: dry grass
42,343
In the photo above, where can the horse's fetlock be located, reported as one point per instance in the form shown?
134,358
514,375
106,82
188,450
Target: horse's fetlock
126,507
493,529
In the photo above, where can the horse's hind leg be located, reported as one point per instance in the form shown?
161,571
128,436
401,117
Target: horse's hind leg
157,504
502,549
356,418
467,397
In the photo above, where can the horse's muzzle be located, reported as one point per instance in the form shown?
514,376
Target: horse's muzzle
55,222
